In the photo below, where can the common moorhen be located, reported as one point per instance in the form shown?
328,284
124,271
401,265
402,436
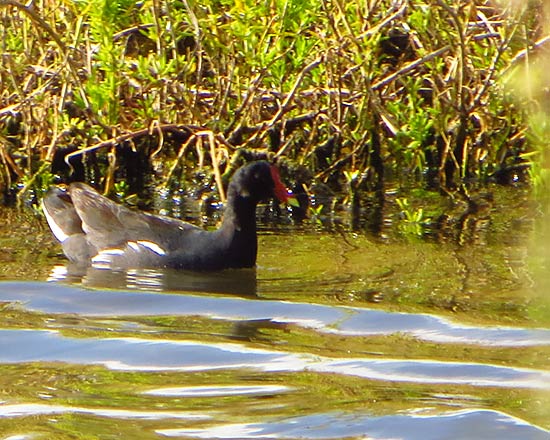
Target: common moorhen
94,230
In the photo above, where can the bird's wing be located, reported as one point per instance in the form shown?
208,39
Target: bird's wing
110,225
61,214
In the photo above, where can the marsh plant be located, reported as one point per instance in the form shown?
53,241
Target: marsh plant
401,90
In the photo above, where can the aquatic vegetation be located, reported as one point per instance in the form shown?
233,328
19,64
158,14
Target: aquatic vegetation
413,220
149,92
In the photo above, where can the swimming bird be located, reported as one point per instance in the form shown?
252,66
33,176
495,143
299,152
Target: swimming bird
94,230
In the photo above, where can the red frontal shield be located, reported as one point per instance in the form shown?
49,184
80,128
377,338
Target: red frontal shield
280,190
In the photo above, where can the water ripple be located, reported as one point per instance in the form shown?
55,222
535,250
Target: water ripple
38,409
459,425
350,321
137,354
219,391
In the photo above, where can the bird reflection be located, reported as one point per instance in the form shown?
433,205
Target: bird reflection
240,282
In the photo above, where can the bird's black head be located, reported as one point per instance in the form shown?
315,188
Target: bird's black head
259,181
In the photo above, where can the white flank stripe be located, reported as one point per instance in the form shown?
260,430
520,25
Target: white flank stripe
111,252
152,247
133,245
104,256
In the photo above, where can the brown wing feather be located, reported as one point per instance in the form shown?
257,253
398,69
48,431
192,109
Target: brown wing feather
108,224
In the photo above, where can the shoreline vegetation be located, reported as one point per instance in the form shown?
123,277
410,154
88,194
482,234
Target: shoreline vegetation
346,96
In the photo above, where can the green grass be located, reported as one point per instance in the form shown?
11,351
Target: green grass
381,89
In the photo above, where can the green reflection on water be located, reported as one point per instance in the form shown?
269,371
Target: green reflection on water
485,280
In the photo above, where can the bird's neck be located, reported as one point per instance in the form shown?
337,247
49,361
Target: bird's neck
238,228
240,214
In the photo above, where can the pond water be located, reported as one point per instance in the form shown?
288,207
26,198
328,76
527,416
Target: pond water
334,335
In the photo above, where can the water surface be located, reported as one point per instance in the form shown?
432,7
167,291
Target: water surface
334,335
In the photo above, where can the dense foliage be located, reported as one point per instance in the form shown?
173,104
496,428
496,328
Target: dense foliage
347,93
